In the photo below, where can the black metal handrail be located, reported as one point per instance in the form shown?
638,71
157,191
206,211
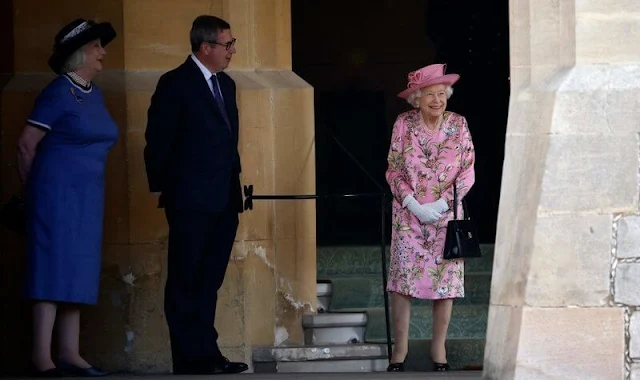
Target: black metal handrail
384,199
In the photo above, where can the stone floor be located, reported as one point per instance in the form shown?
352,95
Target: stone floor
454,375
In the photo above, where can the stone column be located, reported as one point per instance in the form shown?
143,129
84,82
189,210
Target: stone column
565,277
271,279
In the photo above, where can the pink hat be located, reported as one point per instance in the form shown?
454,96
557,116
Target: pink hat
428,76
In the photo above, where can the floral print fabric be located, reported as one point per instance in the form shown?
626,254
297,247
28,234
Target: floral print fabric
425,163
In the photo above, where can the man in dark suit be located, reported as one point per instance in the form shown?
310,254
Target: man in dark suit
192,160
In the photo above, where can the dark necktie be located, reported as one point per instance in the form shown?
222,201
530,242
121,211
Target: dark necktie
217,96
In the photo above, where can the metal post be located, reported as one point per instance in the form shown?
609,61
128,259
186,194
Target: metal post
383,201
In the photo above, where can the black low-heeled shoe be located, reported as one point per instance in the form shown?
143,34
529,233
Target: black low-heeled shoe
396,367
441,367
74,370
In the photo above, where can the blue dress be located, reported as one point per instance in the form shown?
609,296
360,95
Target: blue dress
65,193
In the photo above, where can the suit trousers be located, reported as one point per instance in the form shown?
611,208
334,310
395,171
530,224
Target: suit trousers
200,245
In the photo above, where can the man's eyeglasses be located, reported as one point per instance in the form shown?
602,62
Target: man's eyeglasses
227,45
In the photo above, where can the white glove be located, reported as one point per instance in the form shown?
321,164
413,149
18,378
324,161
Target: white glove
440,205
426,213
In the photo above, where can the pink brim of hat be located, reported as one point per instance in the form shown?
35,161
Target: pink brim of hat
448,79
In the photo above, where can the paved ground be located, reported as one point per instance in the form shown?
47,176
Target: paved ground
458,375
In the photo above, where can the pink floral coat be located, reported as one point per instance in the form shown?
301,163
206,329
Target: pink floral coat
425,164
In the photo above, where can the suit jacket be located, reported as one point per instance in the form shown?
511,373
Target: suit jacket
191,155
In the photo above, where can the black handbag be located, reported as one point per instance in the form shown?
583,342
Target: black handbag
462,235
13,215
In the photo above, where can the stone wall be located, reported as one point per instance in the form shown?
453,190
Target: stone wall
564,295
271,279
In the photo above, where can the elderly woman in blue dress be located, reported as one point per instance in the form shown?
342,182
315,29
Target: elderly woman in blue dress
62,154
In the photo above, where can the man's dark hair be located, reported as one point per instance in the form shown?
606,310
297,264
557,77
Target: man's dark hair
205,29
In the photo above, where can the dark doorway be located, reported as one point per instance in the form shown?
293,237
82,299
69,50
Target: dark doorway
356,55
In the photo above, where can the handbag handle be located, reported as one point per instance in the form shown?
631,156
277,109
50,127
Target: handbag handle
455,203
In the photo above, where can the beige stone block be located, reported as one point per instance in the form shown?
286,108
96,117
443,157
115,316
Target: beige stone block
285,260
285,217
627,283
116,255
306,272
581,104
520,78
570,261
634,333
249,81
32,45
264,250
148,223
272,34
231,310
257,224
306,154
288,320
552,26
634,371
624,98
151,360
138,103
260,294
531,112
595,32
628,237
305,227
108,321
503,336
256,155
157,33
287,167
148,340
543,74
254,106
580,171
148,261
591,339
520,34
605,7
238,251
519,199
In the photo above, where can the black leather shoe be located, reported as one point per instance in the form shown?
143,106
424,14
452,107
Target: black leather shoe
216,366
441,367
51,372
73,370
223,365
396,367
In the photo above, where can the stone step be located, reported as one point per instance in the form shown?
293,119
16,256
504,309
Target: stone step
324,292
334,328
467,321
367,292
368,357
365,260
321,358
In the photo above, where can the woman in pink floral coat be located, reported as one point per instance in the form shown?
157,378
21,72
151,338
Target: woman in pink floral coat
430,149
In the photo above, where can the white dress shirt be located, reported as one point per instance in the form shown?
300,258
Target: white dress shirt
207,75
